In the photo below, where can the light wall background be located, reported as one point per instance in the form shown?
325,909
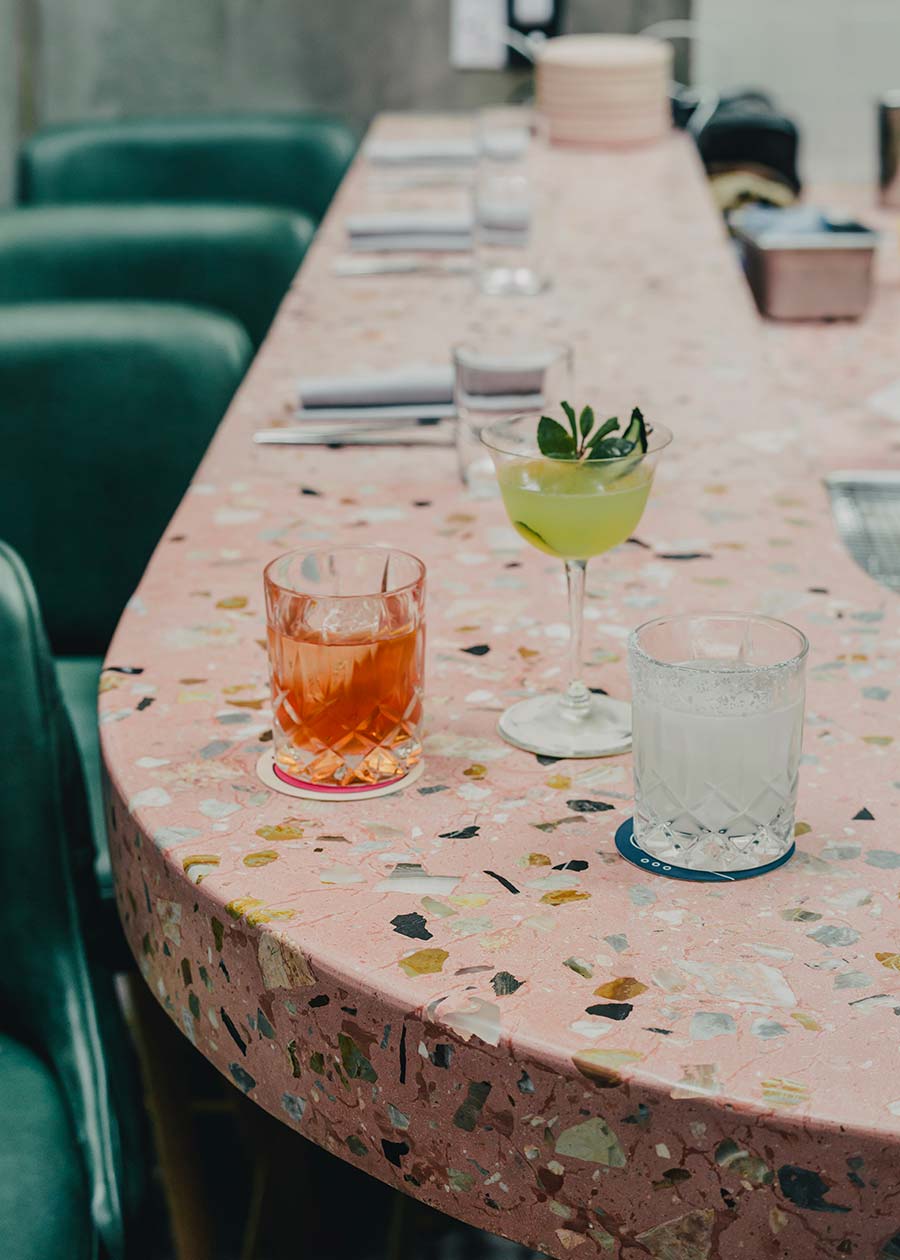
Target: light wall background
71,59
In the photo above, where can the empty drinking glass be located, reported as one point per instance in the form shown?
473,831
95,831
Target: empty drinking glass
346,630
511,231
504,132
717,722
498,377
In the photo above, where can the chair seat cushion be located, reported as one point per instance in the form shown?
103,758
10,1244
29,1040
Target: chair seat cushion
79,678
44,1203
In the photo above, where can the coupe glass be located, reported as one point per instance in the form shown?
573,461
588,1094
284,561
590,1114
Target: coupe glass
346,629
573,510
718,722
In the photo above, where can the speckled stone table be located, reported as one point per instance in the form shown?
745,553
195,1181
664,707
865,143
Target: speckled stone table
461,989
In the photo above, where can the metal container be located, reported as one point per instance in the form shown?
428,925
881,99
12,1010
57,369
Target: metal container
889,148
803,263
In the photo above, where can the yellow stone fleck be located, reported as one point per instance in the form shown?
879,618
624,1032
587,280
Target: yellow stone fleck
471,900
200,859
561,896
778,1220
880,741
785,1093
716,489
424,962
620,989
538,859
460,518
466,629
891,961
560,781
802,829
288,830
240,905
263,858
267,915
247,704
806,1021
232,601
603,1065
107,683
476,771
527,653
235,688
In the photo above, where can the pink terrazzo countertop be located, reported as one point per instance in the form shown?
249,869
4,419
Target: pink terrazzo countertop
461,988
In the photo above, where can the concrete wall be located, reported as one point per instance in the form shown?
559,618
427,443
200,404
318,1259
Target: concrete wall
68,59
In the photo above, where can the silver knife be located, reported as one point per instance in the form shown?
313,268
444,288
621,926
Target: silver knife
352,437
348,267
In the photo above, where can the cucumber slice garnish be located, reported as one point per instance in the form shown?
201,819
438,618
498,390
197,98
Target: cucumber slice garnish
636,433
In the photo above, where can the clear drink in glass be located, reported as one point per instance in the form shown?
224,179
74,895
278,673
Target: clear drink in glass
717,714
501,375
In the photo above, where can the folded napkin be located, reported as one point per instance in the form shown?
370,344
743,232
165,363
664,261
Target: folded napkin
410,230
435,150
510,382
417,392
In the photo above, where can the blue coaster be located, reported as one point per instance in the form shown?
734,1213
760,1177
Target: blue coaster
633,853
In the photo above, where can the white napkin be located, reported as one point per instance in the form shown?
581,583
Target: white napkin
492,382
435,150
410,230
416,392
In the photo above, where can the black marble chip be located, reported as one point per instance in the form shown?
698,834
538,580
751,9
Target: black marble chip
611,1010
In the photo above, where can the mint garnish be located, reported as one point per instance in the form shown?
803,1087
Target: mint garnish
585,441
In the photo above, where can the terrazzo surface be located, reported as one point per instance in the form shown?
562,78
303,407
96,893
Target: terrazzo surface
461,989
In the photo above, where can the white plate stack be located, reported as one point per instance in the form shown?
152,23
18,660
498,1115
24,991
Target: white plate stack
608,91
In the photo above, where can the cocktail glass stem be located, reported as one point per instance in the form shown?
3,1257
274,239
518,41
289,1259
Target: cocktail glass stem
576,701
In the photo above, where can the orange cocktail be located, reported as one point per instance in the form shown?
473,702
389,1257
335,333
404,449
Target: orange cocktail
346,632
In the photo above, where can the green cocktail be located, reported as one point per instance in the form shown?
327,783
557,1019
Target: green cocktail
573,510
573,494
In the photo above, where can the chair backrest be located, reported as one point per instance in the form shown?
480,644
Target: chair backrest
52,994
236,259
105,412
293,160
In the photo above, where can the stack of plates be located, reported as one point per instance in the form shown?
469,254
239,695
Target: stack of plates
605,90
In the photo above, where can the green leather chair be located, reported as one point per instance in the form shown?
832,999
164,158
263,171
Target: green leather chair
293,160
105,412
236,259
72,1152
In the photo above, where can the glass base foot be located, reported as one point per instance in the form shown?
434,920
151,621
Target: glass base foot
541,725
511,281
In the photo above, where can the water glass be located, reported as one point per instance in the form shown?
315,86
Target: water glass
510,215
499,377
504,133
346,637
717,724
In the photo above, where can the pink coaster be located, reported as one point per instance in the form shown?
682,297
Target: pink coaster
274,777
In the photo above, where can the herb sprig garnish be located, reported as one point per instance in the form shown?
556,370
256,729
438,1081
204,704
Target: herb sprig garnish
585,440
